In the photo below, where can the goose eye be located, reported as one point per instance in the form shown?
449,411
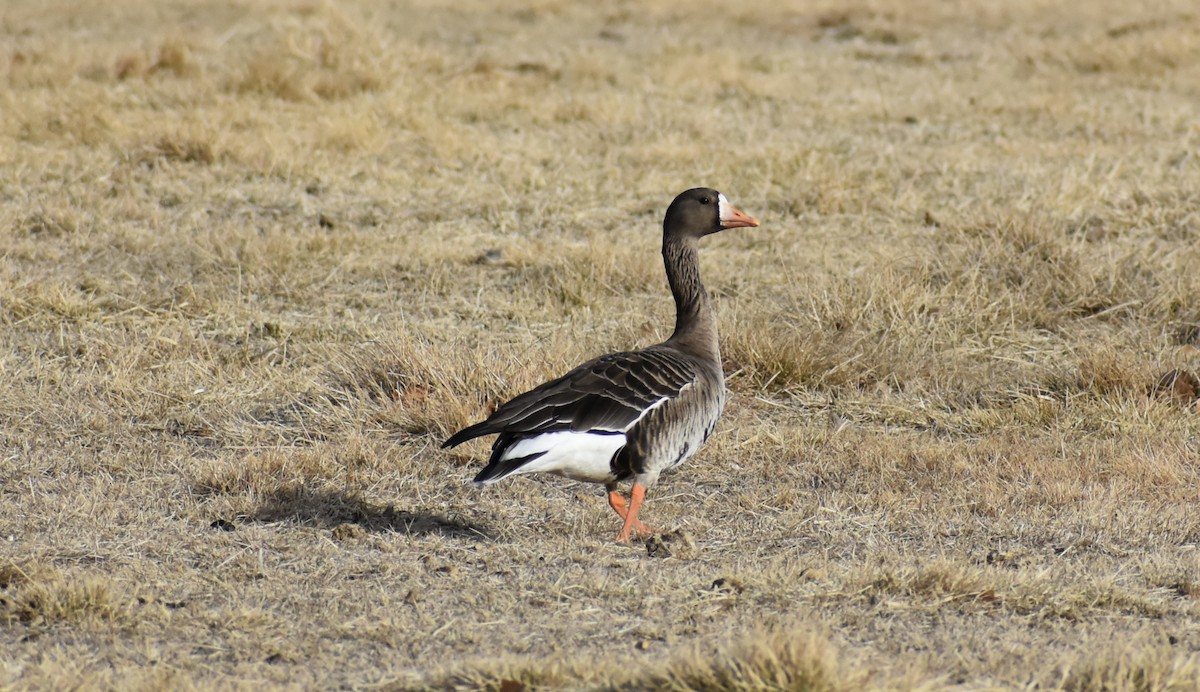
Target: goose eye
705,200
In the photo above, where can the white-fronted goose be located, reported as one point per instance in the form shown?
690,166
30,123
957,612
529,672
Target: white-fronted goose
632,414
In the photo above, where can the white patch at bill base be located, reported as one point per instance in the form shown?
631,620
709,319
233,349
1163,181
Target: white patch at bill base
722,206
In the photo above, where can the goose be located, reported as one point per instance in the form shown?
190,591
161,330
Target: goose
632,414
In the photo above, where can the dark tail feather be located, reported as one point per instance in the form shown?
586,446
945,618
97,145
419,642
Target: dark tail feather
467,433
497,469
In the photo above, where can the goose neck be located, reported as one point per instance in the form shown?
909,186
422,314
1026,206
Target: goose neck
695,323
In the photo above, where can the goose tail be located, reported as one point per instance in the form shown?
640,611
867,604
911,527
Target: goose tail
498,469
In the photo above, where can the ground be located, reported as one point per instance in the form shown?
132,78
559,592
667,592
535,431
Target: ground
260,257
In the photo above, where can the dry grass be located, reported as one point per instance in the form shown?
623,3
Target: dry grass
260,259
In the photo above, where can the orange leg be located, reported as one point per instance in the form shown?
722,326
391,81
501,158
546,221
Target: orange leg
630,516
617,502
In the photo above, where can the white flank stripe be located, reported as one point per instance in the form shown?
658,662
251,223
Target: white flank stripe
583,456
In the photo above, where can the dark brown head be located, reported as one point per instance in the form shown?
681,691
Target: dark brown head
700,211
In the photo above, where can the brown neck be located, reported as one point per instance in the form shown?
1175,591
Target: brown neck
695,323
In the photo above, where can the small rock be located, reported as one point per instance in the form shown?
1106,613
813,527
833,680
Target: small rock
656,547
414,394
1181,386
1187,588
437,566
837,422
491,256
678,544
271,330
1007,558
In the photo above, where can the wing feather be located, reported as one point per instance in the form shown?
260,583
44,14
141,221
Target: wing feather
608,394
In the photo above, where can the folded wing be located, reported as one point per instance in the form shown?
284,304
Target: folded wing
575,424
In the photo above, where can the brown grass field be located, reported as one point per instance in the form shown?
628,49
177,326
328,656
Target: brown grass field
260,257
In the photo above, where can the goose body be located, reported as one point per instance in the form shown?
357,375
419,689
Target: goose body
632,414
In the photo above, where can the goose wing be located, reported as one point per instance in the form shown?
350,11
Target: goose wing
606,396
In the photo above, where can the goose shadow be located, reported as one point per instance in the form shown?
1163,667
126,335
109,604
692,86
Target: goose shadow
330,509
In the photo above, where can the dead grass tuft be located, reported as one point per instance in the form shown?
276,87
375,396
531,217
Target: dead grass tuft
185,150
131,65
935,581
175,56
1108,372
53,223
330,58
1149,667
792,658
407,394
1141,49
260,475
510,676
14,575
39,596
783,659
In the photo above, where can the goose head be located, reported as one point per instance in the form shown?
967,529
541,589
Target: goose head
701,211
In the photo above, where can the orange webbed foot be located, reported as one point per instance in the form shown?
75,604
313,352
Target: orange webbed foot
632,525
